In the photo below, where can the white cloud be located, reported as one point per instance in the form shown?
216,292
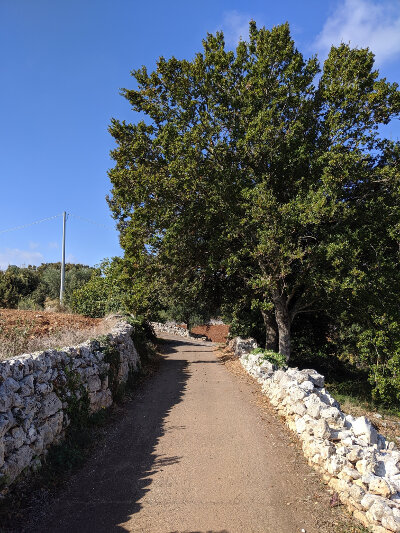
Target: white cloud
235,26
52,245
15,256
33,245
364,23
71,259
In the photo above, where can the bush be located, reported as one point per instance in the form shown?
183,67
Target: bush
277,359
104,293
143,336
28,303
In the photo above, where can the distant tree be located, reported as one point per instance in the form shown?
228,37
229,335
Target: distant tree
16,283
105,292
31,286
76,275
244,168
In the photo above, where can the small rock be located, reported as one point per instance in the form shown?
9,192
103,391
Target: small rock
379,486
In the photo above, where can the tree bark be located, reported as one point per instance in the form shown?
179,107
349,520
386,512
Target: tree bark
271,332
284,322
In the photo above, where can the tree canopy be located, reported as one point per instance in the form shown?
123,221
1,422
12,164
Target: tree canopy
257,172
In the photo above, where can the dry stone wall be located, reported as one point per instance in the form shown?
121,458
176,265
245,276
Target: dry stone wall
353,458
174,329
37,391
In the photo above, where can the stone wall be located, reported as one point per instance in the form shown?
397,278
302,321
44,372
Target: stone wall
39,393
174,329
353,458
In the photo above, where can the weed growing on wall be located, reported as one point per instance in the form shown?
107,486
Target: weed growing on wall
143,337
277,359
113,358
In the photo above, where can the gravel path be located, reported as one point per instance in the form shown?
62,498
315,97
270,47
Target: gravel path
194,452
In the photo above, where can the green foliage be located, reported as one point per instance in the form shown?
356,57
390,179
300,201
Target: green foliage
379,348
143,336
28,303
30,287
16,283
247,170
259,182
244,318
113,358
277,359
107,291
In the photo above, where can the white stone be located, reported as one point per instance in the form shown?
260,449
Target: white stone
335,464
377,511
321,429
331,413
10,385
389,521
363,427
313,404
380,486
357,493
6,400
307,386
18,436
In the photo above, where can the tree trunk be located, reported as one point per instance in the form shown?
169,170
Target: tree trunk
271,333
284,322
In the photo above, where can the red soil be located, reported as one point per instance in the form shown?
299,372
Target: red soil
43,323
213,333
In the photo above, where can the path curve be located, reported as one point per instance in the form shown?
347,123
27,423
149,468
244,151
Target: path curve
193,453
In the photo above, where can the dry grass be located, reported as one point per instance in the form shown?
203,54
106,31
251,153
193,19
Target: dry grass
386,422
20,338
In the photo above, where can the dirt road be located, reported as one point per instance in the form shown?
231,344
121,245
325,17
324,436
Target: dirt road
194,453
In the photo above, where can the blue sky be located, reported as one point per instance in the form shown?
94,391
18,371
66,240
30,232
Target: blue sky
63,63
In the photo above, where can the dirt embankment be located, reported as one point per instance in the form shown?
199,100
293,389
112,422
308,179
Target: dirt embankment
214,333
30,331
42,323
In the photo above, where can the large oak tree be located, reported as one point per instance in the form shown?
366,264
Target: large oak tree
254,165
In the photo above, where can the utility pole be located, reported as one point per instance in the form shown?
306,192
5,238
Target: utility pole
63,261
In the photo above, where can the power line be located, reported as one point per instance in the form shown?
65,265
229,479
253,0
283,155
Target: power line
30,224
104,226
91,221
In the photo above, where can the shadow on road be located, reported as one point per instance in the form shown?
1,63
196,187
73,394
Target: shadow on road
107,491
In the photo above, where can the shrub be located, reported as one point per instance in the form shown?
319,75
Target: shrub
277,359
106,291
143,336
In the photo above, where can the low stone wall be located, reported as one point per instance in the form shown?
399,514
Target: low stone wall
41,392
173,329
354,459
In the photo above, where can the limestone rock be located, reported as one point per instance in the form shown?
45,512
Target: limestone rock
307,386
18,436
321,429
390,522
377,511
317,379
357,493
313,405
50,405
363,427
380,486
